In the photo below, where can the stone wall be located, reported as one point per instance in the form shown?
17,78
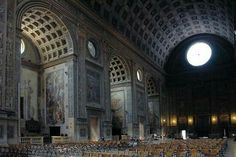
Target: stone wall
75,86
202,98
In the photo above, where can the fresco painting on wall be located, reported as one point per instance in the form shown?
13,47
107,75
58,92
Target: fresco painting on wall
29,93
55,97
117,107
93,87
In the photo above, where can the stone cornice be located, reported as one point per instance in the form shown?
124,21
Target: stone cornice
60,61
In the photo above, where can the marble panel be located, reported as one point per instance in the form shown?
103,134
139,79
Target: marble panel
93,87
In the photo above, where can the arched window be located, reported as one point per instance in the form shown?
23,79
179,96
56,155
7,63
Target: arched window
139,75
22,46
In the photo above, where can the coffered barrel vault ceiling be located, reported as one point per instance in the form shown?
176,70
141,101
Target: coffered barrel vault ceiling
157,26
48,33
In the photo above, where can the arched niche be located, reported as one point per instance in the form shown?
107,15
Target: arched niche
121,96
153,94
49,81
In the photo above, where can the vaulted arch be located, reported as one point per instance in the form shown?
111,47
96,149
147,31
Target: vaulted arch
48,33
119,71
157,27
152,88
43,85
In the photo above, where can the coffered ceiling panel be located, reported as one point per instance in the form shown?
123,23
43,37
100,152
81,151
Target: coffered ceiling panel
157,26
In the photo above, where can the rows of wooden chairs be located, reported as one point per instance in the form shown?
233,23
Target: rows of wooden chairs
14,151
170,148
185,148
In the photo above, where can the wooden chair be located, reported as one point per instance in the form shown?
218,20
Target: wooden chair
211,154
168,154
105,155
86,154
181,153
195,153
95,154
116,155
127,155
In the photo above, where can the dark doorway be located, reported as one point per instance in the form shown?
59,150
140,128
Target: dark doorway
203,126
224,129
116,126
22,107
55,131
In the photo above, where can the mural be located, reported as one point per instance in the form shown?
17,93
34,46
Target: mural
55,97
117,107
93,87
29,88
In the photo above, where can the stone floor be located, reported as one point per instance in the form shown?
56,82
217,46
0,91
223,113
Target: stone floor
231,150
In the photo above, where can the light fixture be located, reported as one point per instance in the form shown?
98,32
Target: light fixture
173,121
190,120
199,54
163,121
233,118
214,119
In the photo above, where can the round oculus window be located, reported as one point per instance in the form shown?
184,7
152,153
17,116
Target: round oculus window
199,54
22,46
92,49
139,75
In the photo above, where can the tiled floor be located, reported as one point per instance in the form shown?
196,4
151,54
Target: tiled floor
231,150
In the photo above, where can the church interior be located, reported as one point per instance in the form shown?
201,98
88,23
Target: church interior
118,78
